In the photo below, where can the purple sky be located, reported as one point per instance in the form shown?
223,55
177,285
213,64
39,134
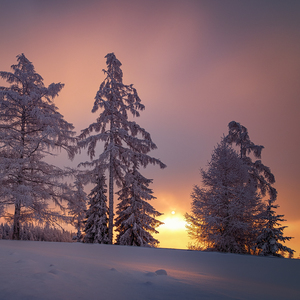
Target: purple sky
197,65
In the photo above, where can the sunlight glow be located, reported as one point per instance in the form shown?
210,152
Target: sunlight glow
173,223
172,234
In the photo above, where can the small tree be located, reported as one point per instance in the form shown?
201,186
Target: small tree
30,128
122,138
268,242
77,206
136,217
222,219
96,223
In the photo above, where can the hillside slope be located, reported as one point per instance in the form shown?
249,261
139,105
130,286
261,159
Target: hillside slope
43,270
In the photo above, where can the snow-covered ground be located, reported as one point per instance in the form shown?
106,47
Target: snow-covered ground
44,270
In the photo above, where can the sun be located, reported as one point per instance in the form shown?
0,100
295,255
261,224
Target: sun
173,222
173,234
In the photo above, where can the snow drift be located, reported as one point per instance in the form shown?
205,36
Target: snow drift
44,270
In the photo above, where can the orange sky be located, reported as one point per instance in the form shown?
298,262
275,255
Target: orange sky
197,65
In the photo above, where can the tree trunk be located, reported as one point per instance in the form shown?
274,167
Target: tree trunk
78,232
111,201
111,188
17,216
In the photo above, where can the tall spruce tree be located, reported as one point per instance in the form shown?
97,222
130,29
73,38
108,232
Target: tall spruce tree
122,138
222,218
136,221
96,222
30,128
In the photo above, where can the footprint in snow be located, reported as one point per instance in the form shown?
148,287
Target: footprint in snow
157,272
150,274
20,261
161,272
53,271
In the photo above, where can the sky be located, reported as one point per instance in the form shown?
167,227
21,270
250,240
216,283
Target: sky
197,65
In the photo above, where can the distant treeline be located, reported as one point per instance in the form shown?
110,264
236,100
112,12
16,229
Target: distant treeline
30,232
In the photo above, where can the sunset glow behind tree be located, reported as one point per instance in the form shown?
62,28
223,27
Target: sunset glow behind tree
197,66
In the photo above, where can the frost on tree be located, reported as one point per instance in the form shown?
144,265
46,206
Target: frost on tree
31,232
122,138
238,134
222,217
136,221
261,175
96,222
268,242
77,205
30,128
268,235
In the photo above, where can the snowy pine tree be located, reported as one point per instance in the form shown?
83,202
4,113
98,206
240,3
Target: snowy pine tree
222,218
30,127
136,217
77,206
268,242
96,223
122,138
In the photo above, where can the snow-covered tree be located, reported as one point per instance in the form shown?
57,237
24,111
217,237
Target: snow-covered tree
238,134
30,128
122,138
31,232
96,223
222,218
136,221
261,175
1,209
77,205
268,241
5,232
